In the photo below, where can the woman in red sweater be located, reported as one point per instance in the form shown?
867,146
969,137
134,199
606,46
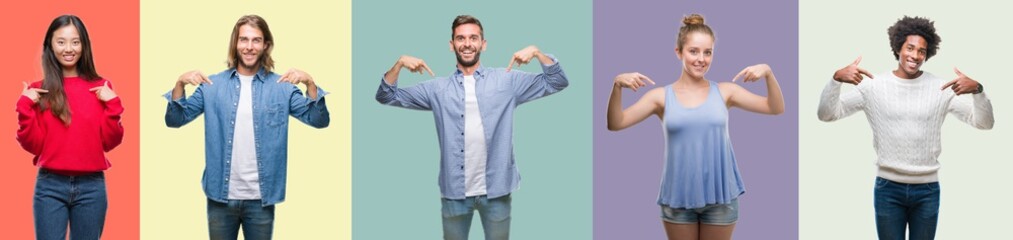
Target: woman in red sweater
68,121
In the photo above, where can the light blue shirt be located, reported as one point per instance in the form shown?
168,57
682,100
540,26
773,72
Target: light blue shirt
499,92
700,166
273,102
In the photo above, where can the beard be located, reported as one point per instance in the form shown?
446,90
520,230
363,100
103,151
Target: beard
464,63
253,66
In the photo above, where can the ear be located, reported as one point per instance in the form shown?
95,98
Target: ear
484,43
678,54
451,44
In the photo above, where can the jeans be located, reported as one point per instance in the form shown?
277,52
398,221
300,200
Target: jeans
225,219
900,205
79,201
495,215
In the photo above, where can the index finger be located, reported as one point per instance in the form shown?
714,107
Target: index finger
512,60
740,74
866,73
947,85
205,78
428,70
284,77
642,77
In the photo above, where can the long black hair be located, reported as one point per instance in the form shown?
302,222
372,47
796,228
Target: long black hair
56,99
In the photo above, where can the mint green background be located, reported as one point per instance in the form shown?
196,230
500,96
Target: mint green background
395,154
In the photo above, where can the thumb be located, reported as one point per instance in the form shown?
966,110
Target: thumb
106,84
857,61
957,71
26,85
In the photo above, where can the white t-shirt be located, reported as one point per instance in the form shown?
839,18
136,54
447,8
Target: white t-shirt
475,154
244,181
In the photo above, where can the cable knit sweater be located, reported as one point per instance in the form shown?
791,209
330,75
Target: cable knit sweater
906,116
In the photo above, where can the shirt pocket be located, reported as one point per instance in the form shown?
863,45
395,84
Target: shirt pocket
277,113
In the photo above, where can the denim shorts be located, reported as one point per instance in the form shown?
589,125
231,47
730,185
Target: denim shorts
712,214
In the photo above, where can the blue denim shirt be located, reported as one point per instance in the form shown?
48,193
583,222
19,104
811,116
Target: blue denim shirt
499,92
273,102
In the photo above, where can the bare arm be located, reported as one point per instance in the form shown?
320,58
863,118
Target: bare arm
738,96
651,103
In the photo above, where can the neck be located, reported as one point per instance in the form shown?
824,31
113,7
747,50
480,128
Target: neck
70,72
468,71
687,80
903,75
247,71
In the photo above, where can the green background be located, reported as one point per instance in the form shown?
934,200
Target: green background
837,159
395,151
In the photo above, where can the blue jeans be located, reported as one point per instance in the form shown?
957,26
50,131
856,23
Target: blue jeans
79,201
900,205
225,219
495,215
711,214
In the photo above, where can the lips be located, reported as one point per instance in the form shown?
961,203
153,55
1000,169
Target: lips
699,68
68,57
911,64
249,56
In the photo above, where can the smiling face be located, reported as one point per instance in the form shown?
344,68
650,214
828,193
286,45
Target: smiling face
249,47
468,44
67,47
696,54
911,56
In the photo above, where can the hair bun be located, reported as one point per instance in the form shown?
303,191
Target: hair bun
692,19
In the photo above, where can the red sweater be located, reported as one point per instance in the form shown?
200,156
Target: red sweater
78,148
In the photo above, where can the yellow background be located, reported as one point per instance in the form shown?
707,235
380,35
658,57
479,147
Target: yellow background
178,36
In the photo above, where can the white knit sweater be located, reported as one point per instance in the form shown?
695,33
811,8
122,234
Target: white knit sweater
906,116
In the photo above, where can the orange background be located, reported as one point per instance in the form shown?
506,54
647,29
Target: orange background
114,30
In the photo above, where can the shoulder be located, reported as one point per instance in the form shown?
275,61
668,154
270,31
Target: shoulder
223,75
727,88
932,77
100,81
656,94
437,82
35,84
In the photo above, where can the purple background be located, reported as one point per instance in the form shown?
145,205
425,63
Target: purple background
639,35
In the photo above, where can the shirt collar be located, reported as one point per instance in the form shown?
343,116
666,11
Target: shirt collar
480,71
261,74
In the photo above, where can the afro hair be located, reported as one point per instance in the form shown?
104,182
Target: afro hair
908,26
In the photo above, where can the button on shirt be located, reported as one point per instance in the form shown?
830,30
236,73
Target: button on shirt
498,93
272,103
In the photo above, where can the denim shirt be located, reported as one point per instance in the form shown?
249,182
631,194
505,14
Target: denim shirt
499,92
273,102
